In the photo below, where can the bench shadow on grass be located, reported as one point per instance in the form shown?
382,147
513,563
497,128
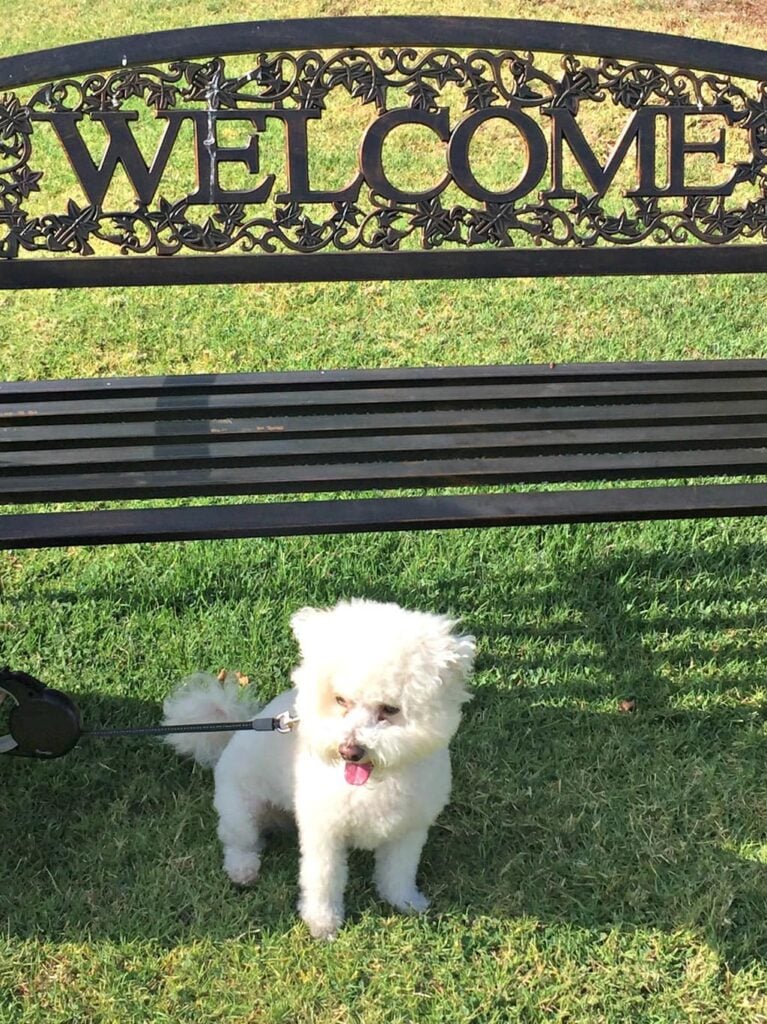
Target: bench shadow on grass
118,840
602,817
565,809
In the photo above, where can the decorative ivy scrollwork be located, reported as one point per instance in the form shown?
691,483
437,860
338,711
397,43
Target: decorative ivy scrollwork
390,78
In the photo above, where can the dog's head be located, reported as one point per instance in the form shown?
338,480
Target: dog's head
378,686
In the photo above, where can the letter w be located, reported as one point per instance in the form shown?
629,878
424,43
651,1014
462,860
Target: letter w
121,149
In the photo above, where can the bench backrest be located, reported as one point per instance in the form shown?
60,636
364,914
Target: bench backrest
470,148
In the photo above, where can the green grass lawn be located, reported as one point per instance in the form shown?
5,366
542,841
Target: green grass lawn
593,865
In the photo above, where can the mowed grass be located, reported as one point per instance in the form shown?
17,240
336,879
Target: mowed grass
594,864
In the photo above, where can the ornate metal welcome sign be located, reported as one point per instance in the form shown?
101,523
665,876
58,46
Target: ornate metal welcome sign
675,179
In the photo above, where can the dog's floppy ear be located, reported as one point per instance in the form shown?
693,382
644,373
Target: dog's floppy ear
464,652
306,626
461,651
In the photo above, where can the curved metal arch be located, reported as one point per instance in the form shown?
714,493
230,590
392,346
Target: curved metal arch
321,33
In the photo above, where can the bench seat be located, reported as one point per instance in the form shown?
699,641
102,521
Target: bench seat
336,432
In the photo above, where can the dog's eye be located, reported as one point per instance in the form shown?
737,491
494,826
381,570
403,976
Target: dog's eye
388,711
342,702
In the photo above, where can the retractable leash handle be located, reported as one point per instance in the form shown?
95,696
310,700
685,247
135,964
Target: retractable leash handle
46,723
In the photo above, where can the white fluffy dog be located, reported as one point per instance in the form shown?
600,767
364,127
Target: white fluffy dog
378,694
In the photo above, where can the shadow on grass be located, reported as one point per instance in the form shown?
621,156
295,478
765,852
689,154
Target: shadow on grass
650,820
118,838
564,809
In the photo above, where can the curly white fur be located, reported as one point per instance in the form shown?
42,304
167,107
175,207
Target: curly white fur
378,692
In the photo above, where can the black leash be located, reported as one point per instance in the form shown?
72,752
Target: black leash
257,725
46,723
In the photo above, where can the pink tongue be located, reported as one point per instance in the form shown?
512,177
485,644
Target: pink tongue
357,774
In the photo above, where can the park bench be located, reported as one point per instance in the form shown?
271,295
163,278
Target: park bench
479,445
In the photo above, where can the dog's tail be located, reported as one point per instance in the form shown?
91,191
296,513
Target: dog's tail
206,698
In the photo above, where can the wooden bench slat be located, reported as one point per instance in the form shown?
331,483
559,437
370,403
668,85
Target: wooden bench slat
78,435
227,431
369,515
161,456
424,376
381,475
176,406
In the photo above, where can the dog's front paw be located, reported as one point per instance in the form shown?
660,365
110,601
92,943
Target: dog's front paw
322,922
416,903
410,902
242,866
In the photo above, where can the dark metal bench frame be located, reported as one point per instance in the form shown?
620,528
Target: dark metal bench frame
460,428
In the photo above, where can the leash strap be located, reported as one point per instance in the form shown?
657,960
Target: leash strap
45,723
255,725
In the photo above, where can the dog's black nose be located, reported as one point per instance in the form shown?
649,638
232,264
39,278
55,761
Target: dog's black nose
351,752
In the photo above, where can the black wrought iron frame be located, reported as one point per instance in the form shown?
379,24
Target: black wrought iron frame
631,86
